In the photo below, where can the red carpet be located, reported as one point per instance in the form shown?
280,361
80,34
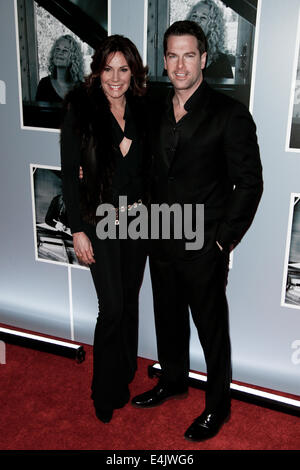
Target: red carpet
45,405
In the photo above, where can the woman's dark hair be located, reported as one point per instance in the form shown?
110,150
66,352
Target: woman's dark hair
118,43
181,28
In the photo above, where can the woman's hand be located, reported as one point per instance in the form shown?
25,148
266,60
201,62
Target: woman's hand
83,248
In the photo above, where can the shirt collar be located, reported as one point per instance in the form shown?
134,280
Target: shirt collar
129,130
127,113
196,97
193,100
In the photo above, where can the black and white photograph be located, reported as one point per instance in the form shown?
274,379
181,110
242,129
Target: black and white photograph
55,42
293,131
230,28
52,235
291,280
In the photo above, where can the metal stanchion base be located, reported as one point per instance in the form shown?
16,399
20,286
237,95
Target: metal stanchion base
41,343
245,393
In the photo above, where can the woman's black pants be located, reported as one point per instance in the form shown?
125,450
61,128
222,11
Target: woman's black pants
117,275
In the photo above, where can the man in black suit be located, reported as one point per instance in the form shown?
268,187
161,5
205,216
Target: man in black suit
205,152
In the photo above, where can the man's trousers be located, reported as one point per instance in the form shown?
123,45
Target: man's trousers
199,283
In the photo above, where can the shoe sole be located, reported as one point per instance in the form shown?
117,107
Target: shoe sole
180,396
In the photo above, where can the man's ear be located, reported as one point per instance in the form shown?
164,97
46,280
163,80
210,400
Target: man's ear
203,60
165,63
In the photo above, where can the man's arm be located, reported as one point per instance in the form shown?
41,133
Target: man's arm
245,172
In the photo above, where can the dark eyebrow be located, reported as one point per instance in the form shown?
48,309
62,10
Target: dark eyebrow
174,53
121,66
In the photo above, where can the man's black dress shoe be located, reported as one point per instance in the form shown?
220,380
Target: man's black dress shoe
160,393
206,425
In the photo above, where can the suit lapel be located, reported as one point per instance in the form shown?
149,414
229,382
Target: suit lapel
161,139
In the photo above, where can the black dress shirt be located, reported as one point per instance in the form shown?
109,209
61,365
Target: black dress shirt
175,134
127,180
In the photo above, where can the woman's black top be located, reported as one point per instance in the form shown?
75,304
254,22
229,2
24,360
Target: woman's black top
220,68
128,179
46,92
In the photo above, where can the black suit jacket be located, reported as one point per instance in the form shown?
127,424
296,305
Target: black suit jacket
214,162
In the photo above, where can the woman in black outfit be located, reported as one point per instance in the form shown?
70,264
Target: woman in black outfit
103,131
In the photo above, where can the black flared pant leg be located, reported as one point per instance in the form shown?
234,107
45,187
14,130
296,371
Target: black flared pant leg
117,275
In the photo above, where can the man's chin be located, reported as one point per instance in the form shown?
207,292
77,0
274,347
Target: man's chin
181,84
185,84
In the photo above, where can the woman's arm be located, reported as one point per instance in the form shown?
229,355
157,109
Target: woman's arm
83,248
70,144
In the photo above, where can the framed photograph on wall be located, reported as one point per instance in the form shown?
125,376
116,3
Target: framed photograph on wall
231,30
293,128
291,279
55,43
52,236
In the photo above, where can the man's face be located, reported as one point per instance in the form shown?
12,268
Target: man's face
183,62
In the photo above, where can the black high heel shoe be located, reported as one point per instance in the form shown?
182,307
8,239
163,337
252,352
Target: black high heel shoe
103,415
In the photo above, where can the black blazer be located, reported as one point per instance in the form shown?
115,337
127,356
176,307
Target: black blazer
216,163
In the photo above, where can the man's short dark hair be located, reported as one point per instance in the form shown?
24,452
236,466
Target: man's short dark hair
181,28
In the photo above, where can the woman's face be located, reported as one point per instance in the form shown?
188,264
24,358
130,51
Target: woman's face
62,53
200,14
116,76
